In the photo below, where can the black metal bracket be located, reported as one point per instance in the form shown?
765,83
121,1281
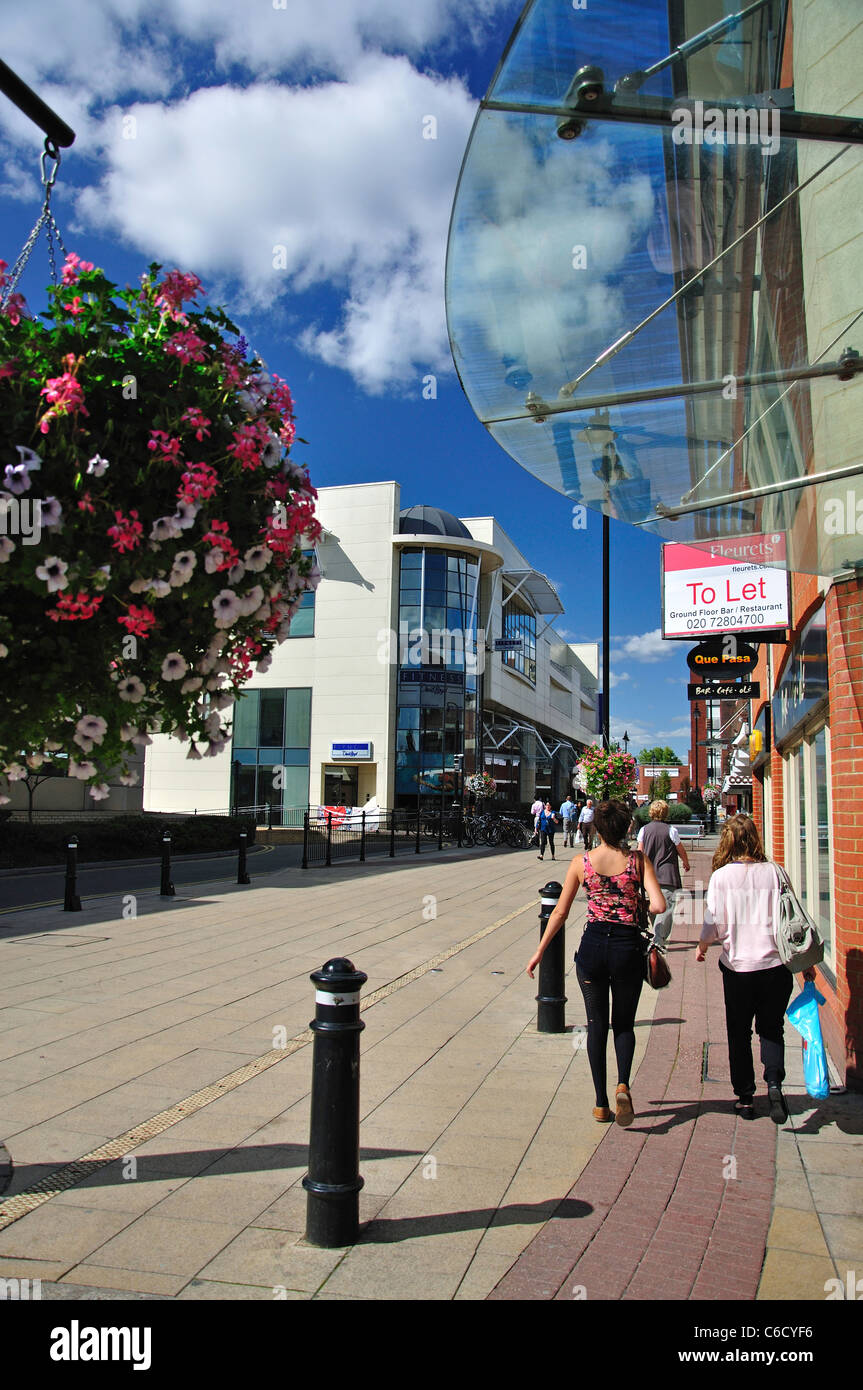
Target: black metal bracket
35,108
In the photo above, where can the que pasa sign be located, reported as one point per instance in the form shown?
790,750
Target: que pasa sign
721,659
722,587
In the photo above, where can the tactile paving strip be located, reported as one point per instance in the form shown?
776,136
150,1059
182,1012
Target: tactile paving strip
72,1173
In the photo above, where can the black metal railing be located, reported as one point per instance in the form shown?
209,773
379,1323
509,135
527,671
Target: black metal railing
329,836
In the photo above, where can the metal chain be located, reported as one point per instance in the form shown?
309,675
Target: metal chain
47,220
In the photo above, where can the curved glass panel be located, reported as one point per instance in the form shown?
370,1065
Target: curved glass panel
643,316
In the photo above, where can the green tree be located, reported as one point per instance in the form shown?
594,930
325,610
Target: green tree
663,786
660,757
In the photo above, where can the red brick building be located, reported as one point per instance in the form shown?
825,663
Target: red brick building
807,750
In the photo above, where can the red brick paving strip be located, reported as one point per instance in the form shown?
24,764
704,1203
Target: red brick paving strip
663,1222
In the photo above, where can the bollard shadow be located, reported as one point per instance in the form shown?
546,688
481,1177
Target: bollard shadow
386,1231
190,1163
842,1109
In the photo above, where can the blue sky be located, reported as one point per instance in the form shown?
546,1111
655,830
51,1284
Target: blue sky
210,133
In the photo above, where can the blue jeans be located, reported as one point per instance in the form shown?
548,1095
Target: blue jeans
610,958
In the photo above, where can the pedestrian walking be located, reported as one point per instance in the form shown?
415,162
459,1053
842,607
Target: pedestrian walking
585,823
742,914
567,813
610,958
536,811
547,826
661,843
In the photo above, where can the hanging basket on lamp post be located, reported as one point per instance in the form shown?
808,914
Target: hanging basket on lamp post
607,774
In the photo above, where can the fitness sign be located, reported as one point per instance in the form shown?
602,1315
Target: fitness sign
725,586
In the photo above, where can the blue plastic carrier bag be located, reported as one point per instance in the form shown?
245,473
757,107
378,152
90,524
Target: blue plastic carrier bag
802,1014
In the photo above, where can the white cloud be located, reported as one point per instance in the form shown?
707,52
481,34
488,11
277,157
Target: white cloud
338,175
336,171
650,646
616,680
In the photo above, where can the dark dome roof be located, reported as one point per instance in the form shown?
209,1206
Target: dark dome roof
431,521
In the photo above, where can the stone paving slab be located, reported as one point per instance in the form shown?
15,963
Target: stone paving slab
484,1169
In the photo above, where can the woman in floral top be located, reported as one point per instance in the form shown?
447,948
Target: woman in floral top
610,957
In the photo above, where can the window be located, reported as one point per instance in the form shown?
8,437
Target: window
270,753
807,780
303,621
520,624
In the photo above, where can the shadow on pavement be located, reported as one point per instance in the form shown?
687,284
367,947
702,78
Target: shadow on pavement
389,1232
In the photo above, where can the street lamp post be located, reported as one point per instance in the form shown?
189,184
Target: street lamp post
696,715
600,436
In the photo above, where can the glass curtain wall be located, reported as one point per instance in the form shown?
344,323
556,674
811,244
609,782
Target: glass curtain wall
270,752
438,672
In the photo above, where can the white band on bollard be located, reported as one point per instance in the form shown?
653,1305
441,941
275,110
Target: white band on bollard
323,996
549,902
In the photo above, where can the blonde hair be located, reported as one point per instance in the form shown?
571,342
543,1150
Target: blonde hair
739,839
658,810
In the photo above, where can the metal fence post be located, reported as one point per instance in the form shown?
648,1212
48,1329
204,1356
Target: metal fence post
305,839
167,888
71,901
333,1181
329,859
551,1000
417,850
392,834
363,839
242,871
440,829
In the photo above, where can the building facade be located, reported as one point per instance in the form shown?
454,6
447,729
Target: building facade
427,640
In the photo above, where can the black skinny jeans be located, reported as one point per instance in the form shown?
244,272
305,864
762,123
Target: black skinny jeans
761,995
610,957
547,837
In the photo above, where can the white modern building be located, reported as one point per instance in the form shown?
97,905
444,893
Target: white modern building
396,665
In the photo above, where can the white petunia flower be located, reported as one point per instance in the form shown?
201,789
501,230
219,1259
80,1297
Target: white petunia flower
51,514
99,791
92,726
174,667
252,600
212,561
185,514
4,650
97,466
54,573
257,558
226,607
131,689
34,761
129,779
193,752
182,568
265,663
84,743
166,528
15,772
236,572
83,771
193,683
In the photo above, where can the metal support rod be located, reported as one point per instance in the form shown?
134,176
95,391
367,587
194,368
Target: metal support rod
392,833
329,859
551,1000
242,871
333,1181
35,108
167,888
363,838
305,839
71,901
417,847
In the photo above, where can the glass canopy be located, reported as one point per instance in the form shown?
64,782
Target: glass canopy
652,292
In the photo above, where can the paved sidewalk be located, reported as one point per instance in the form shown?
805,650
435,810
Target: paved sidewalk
154,1075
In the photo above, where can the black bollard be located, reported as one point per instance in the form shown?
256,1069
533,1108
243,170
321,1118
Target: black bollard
167,888
333,1181
71,901
551,1000
242,871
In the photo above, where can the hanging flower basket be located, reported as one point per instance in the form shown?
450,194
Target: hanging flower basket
151,522
710,793
607,775
479,784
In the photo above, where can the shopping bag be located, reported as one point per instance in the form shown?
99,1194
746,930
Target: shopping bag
802,1014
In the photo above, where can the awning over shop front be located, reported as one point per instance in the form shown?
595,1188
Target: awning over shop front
535,587
632,295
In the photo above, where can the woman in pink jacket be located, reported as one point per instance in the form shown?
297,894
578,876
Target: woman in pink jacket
741,915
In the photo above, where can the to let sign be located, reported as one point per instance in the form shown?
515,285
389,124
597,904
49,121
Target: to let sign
721,588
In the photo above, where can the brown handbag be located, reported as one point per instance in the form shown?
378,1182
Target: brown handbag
656,971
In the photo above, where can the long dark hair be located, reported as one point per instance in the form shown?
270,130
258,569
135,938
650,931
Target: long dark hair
739,839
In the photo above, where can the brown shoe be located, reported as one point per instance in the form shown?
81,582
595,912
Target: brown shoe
623,1100
602,1114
